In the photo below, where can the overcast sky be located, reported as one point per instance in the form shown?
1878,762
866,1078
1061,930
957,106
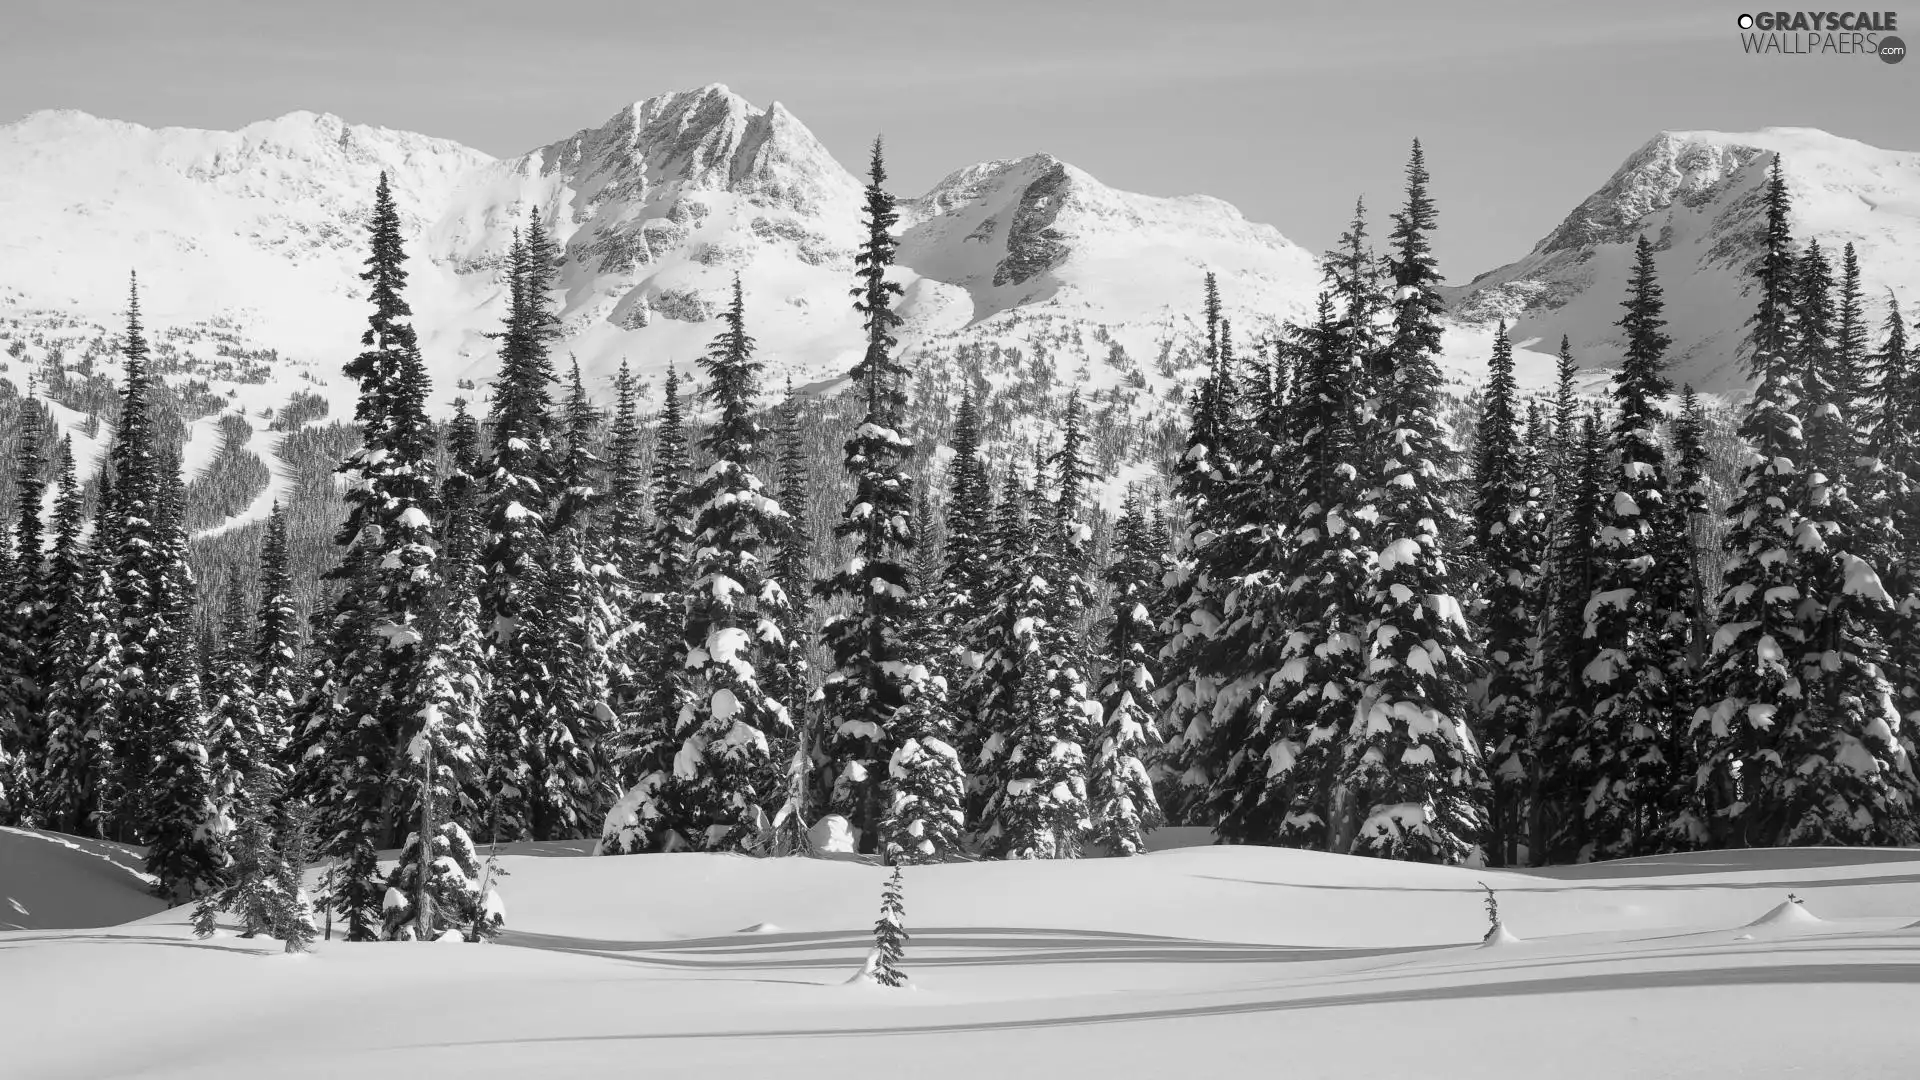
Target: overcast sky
1288,110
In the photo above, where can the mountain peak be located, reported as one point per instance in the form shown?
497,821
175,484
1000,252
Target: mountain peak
1697,196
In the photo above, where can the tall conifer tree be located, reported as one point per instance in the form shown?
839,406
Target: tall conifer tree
875,673
1415,774
1635,626
1509,531
731,734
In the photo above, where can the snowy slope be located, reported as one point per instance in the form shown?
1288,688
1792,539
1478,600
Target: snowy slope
1696,195
52,881
1190,962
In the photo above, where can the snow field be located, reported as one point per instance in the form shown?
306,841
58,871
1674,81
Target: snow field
1194,959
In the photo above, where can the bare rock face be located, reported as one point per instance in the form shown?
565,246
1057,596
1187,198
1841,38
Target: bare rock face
1034,246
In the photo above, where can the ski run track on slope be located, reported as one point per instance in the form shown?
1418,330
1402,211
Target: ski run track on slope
1197,960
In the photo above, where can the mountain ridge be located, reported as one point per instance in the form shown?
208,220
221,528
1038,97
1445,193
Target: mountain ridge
660,204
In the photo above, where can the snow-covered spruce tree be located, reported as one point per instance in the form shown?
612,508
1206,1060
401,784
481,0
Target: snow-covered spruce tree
1310,658
365,704
789,679
159,792
1409,761
1896,498
237,747
890,935
1685,538
1848,778
1285,665
1037,709
1562,764
576,600
792,563
132,529
732,736
276,646
875,672
1509,530
961,598
456,669
265,861
27,609
460,898
1118,787
180,820
925,816
521,484
1067,556
1195,595
1634,629
82,671
655,691
1752,688
1564,454
626,485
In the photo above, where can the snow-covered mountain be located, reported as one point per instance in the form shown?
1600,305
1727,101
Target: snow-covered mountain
658,208
1697,196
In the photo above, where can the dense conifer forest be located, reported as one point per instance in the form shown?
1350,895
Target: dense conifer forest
1349,611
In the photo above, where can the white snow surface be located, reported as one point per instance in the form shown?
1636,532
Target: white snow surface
1040,969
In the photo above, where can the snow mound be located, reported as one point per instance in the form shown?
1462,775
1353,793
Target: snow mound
759,928
1789,912
52,881
833,835
868,975
1499,936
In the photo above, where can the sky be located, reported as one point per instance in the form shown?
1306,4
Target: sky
1287,110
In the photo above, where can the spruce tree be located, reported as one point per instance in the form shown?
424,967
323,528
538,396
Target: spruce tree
626,485
1304,588
1195,593
266,860
1565,456
453,755
276,646
1895,396
1562,771
460,899
1633,628
1409,762
652,697
576,600
521,485
27,609
238,748
134,534
365,706
1118,786
83,670
792,563
1847,778
1509,527
1752,688
890,934
180,819
731,733
964,592
874,674
1035,707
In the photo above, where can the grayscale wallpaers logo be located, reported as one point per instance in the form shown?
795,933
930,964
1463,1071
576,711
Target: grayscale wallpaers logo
1823,33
